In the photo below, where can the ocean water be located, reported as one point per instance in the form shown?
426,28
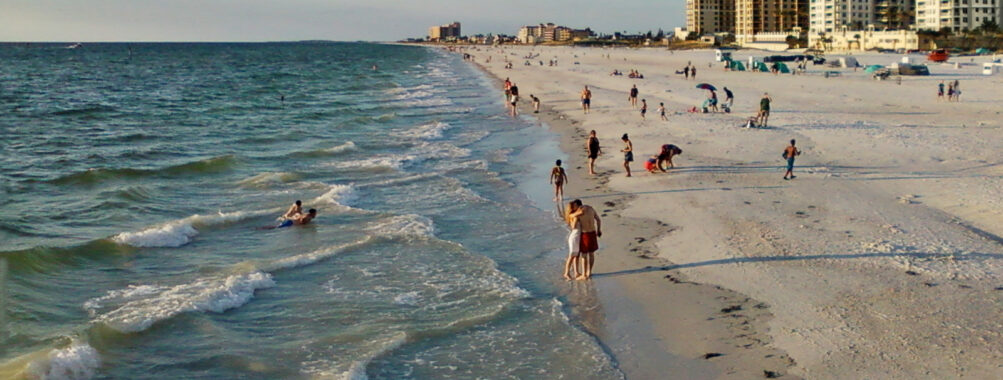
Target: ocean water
135,179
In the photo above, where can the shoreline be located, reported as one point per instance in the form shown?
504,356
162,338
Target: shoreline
717,334
864,266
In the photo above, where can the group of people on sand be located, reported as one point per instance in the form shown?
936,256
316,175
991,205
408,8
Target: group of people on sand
689,72
953,91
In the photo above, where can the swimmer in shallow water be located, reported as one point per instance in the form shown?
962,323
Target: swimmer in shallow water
295,209
298,220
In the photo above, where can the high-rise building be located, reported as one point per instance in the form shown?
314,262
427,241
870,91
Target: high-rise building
753,17
710,16
957,15
828,16
444,32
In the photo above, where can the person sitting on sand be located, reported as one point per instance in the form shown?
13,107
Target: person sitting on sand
665,156
651,164
295,209
558,177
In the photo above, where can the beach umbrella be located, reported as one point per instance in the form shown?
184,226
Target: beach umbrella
873,68
705,86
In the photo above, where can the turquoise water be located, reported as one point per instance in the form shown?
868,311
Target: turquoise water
136,179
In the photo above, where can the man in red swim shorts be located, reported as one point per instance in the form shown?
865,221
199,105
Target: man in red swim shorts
591,231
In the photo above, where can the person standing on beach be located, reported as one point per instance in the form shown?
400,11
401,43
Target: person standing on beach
789,153
764,110
693,72
536,103
591,227
558,177
686,71
940,90
632,97
661,111
572,216
586,99
628,153
514,99
729,98
592,147
644,108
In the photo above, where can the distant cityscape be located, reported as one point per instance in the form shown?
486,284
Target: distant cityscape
844,25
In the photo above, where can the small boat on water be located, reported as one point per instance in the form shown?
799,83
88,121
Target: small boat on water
75,46
939,55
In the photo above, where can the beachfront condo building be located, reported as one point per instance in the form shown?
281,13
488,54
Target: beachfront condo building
757,20
710,16
533,34
828,16
448,32
957,15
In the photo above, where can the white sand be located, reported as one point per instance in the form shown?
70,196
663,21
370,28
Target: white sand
891,181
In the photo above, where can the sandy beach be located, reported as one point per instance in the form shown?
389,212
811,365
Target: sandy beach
882,259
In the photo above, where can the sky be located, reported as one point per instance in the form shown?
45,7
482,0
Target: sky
291,20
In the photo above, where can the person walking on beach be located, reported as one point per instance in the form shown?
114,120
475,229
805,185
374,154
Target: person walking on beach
661,111
632,97
686,71
693,72
591,227
764,110
536,103
558,177
586,99
940,91
628,153
644,108
789,153
729,98
572,216
592,147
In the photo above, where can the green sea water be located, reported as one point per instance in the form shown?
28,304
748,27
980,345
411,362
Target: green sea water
135,181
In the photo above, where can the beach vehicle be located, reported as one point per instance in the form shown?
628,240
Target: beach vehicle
939,55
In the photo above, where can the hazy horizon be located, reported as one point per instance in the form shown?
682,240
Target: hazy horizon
300,20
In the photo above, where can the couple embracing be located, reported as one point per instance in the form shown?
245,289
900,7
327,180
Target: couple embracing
583,241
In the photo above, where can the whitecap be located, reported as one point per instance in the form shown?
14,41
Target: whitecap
78,360
428,131
134,311
180,232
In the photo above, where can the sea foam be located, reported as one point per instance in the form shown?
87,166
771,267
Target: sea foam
76,361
